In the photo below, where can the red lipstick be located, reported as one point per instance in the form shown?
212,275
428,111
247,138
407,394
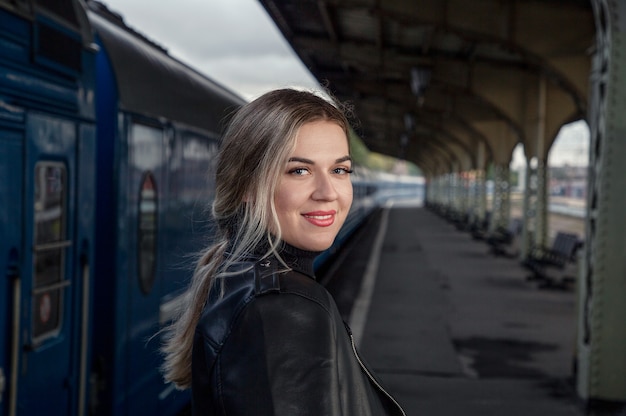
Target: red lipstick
320,218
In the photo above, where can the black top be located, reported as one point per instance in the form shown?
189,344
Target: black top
271,342
298,260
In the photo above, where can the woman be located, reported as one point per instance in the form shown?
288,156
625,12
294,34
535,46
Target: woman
258,335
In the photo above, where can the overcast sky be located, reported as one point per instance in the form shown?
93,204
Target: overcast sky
235,43
571,147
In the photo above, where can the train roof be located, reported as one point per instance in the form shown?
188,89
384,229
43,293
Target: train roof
151,82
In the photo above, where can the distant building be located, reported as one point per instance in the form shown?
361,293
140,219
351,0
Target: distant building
568,181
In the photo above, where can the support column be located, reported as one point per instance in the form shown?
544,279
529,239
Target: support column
528,208
481,196
443,190
450,190
501,197
471,196
535,231
541,202
602,282
442,186
464,189
454,193
541,205
480,188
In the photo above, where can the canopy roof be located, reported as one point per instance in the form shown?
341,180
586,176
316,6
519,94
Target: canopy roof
432,81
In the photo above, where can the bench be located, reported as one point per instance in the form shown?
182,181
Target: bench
504,241
554,267
479,229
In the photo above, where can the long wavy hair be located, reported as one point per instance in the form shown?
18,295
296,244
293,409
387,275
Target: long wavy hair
254,150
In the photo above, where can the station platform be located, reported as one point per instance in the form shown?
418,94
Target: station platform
450,328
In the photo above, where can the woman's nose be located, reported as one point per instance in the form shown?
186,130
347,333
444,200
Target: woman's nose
324,188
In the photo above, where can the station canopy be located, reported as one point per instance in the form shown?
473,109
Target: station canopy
431,79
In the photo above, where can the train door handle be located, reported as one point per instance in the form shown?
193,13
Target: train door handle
14,276
85,268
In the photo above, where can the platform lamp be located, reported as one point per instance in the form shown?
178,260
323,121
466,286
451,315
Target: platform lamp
409,129
409,122
420,78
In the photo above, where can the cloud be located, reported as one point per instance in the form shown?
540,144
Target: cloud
253,75
200,28
233,42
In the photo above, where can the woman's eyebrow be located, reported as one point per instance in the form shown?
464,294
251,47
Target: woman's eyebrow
310,162
301,160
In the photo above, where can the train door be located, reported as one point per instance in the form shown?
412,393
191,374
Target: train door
53,317
10,231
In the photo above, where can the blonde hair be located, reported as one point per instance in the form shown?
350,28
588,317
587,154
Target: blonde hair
255,146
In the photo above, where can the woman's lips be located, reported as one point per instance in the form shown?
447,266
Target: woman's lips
320,218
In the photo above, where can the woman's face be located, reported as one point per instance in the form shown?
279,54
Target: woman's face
315,193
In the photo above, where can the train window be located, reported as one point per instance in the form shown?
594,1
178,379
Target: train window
50,220
199,165
146,148
147,229
59,49
62,8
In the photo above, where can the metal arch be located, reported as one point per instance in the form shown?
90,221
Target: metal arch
385,90
464,99
439,130
435,149
456,91
480,35
477,134
470,95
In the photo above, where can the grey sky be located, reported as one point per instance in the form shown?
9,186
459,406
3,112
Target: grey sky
571,147
233,42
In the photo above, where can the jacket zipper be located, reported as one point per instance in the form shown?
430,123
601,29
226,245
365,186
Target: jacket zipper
369,375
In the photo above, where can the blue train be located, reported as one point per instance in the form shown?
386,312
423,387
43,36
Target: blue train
105,143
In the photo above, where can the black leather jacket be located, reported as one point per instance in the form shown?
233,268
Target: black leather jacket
275,344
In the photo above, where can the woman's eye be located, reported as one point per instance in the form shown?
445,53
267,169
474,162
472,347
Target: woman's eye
299,171
342,171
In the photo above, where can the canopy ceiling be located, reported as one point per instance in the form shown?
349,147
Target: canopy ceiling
433,81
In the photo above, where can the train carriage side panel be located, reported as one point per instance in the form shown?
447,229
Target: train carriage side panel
142,196
187,223
106,315
154,96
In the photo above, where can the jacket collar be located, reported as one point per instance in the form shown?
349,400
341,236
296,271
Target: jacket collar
296,259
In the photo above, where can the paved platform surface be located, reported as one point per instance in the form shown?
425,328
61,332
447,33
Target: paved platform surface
451,329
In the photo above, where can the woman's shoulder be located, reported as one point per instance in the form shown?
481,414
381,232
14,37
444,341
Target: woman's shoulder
250,282
229,294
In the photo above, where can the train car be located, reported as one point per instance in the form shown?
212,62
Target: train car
159,123
47,171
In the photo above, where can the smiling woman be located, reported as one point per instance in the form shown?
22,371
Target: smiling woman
315,193
258,334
